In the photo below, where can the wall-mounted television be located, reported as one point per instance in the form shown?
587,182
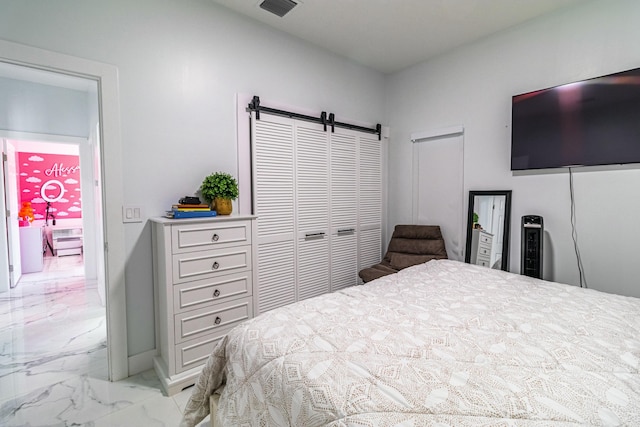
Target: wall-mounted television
587,123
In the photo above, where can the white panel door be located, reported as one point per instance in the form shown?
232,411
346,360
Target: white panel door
313,267
5,277
274,204
369,200
312,204
369,251
497,228
11,198
344,260
344,209
439,189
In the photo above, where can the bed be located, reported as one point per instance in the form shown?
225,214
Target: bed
440,343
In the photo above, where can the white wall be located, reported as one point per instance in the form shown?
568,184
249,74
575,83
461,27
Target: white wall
472,86
38,108
180,64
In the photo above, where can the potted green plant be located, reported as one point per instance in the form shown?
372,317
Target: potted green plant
219,189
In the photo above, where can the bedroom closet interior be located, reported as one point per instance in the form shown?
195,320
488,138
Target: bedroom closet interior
317,193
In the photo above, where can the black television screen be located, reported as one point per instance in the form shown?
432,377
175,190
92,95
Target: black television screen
591,122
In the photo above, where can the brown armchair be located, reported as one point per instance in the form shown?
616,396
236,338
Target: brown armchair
409,245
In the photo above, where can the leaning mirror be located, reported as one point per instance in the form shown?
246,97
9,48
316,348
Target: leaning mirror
488,229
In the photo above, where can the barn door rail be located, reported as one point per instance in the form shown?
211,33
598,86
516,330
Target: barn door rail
324,119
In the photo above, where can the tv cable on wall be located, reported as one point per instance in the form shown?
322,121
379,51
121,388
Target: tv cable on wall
574,233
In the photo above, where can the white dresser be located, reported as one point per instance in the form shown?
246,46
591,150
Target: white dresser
203,285
67,240
481,243
31,249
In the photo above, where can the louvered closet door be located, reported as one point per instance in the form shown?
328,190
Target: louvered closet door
274,204
344,209
312,196
369,201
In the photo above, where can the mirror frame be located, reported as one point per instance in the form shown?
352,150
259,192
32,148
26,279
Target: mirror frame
506,225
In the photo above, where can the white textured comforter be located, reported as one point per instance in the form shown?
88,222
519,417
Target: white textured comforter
442,343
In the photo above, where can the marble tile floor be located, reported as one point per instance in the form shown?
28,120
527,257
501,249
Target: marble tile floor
53,367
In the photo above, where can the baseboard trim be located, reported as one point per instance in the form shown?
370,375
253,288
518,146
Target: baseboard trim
141,362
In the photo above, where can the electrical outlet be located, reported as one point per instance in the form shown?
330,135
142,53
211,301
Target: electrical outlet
132,213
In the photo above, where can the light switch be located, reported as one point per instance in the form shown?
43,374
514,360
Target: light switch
132,214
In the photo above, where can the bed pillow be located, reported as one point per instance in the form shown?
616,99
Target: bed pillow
400,261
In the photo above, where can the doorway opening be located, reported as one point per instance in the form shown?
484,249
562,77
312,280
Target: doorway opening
110,168
44,183
51,191
52,187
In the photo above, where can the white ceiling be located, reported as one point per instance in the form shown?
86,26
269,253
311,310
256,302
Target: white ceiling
390,35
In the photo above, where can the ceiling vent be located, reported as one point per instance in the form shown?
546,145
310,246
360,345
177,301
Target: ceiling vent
278,7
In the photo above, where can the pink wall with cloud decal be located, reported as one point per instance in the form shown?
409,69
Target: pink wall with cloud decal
59,175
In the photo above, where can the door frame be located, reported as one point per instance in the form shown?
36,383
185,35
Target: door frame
10,205
112,184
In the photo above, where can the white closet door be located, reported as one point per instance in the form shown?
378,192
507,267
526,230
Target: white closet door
344,209
344,260
369,252
369,201
439,176
274,204
312,196
318,199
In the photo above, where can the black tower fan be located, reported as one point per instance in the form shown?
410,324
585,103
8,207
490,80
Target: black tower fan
532,233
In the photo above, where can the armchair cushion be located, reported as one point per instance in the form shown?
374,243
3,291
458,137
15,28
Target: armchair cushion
374,272
409,245
400,261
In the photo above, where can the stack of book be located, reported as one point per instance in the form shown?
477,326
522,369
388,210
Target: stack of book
190,211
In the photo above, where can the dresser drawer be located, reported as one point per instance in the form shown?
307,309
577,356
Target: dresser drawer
484,250
198,323
200,265
218,289
485,238
484,262
198,237
194,353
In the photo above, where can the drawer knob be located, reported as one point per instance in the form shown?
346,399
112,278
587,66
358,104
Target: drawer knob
215,265
215,238
216,293
217,321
